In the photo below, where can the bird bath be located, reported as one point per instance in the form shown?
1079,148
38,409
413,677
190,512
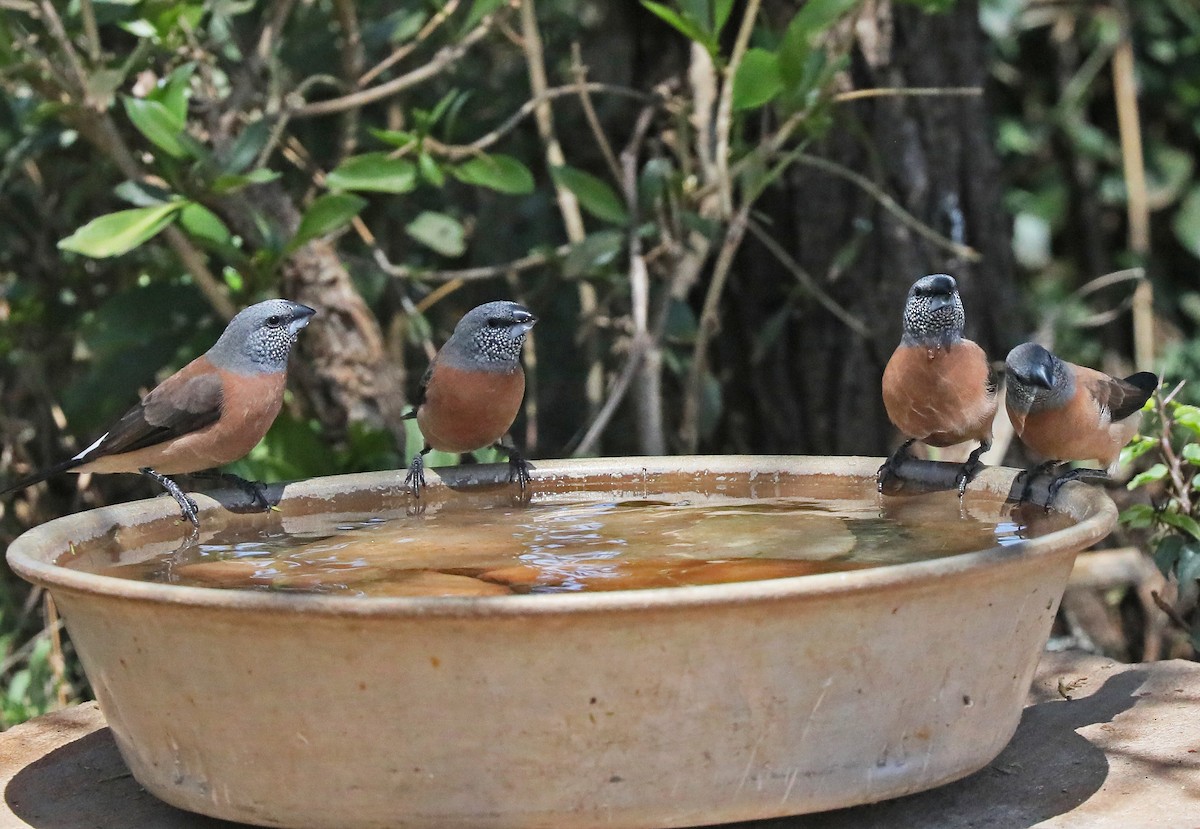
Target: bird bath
660,707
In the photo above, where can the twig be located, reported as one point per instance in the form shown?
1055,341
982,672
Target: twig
725,108
58,32
401,52
269,35
533,260
911,91
589,112
689,430
1171,612
1133,161
437,64
809,284
352,63
456,152
568,205
890,205
90,30
530,363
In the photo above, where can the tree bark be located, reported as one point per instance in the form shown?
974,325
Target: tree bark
817,387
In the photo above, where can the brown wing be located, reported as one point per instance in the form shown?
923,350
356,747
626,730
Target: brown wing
185,402
419,398
1121,398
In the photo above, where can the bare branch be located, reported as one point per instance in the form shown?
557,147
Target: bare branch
437,64
725,108
589,112
911,91
525,263
401,52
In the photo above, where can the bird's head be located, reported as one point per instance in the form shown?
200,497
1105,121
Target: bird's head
491,335
260,338
1036,378
933,312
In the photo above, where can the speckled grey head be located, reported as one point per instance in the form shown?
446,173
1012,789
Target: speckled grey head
1036,379
933,313
489,337
259,339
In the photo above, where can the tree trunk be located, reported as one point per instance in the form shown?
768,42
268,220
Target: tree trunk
816,388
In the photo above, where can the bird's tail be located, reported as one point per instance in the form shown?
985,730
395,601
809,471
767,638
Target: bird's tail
38,477
1145,380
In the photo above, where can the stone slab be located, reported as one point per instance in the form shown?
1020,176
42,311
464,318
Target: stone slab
1123,751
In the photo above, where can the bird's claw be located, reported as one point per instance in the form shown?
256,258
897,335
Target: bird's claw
888,467
415,479
518,471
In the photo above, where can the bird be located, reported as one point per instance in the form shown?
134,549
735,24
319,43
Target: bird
470,394
209,413
1066,412
938,386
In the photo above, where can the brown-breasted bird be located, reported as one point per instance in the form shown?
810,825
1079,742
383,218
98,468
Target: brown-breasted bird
209,413
1066,412
473,388
938,386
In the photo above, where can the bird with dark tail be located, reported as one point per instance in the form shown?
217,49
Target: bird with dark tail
1065,412
473,388
209,413
938,386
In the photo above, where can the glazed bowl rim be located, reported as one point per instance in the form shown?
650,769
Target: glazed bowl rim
1094,513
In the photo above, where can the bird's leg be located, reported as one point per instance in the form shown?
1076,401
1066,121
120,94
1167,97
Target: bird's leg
415,479
1030,475
1072,475
255,489
186,505
518,467
889,466
971,467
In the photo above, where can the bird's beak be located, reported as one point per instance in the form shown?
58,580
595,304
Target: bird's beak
525,320
939,301
301,314
1042,375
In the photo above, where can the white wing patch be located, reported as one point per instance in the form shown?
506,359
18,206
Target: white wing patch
85,452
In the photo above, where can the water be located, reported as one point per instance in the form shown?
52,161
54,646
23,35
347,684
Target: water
577,542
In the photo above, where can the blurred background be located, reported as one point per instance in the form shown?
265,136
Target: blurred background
715,208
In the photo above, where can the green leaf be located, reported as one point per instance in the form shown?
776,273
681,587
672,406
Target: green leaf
479,10
325,215
116,233
204,225
174,90
1188,417
159,125
396,138
499,172
1139,447
1154,473
1191,453
1186,222
438,232
689,28
1187,569
721,10
1138,516
247,146
223,185
757,80
1167,554
594,195
430,170
593,253
374,172
816,16
1181,522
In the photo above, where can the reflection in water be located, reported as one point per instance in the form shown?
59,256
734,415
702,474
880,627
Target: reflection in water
583,541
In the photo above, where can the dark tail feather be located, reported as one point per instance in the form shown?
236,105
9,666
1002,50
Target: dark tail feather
409,415
1144,380
44,474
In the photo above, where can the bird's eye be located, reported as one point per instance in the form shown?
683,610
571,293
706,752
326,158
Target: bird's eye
274,320
495,322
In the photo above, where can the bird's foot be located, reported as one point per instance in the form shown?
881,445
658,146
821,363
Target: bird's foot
892,464
518,467
186,505
1072,475
257,490
415,479
970,468
1028,476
